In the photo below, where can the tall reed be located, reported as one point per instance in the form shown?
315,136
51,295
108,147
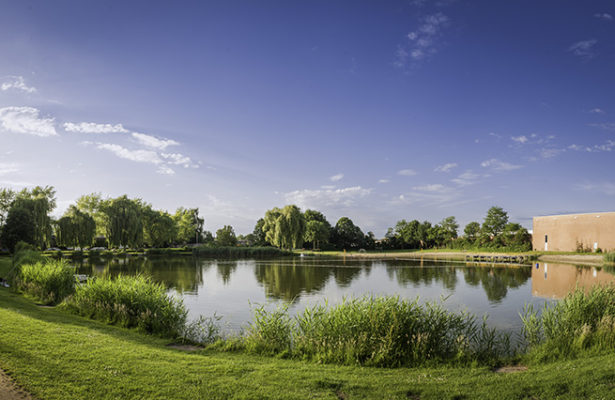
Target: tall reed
131,301
579,322
239,252
609,257
378,331
48,281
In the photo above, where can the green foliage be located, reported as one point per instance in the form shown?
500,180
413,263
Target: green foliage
317,228
49,281
160,229
472,230
495,221
124,221
346,235
204,330
40,202
259,234
19,227
189,225
132,302
75,228
284,228
226,236
609,257
7,196
377,331
578,323
240,252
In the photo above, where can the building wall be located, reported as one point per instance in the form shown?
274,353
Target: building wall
565,231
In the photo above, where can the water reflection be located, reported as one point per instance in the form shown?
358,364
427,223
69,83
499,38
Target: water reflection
555,281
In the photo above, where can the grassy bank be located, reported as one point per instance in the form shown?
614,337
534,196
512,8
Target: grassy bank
55,355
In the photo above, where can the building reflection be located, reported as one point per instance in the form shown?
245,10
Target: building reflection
555,281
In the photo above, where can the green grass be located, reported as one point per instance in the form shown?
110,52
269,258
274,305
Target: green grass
55,355
48,281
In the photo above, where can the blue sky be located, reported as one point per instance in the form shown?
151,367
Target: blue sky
374,110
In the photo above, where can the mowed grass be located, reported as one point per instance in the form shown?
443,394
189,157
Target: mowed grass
56,355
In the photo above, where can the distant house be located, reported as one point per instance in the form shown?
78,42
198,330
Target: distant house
573,232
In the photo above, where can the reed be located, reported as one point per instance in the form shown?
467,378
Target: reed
239,252
49,281
132,302
610,257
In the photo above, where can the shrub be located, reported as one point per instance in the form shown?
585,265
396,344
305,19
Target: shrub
49,282
131,301
579,322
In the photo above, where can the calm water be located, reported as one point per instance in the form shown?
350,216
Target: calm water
228,287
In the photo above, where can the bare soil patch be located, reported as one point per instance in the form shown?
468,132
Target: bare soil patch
10,391
184,347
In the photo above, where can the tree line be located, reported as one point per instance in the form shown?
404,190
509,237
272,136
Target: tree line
94,221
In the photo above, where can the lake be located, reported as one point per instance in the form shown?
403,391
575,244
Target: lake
229,287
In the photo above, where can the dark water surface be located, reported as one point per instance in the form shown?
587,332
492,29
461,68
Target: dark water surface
229,287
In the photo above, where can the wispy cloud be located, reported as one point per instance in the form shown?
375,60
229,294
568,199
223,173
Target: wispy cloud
584,48
435,187
143,156
179,159
384,180
607,126
407,172
446,167
423,42
92,127
467,178
607,146
16,83
153,142
336,177
327,197
607,188
433,194
596,111
604,16
498,165
520,139
26,120
8,168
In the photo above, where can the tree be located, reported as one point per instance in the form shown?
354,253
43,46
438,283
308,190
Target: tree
93,205
495,221
19,226
346,235
317,228
225,236
189,225
449,226
159,228
125,221
471,231
514,235
7,196
75,228
284,228
407,234
41,202
259,234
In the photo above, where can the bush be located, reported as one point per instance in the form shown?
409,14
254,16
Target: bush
579,322
378,331
131,301
49,282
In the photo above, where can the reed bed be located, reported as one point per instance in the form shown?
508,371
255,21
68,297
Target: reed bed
47,281
239,252
132,302
610,257
377,331
578,323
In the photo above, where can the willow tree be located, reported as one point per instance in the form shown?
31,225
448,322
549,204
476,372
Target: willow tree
317,228
93,205
284,227
124,221
159,228
75,228
40,201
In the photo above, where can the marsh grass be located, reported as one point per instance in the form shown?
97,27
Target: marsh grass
581,322
49,281
131,302
239,252
610,257
377,331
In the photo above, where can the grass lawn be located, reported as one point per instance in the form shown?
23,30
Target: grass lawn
55,355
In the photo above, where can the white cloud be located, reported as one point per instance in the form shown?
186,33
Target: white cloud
165,170
153,142
336,177
467,178
436,187
584,48
607,126
422,43
8,168
608,146
498,165
596,111
326,198
446,167
604,16
26,120
434,194
178,159
92,127
384,181
143,156
406,172
520,139
17,83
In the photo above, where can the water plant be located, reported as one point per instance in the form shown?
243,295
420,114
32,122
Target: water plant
131,301
47,281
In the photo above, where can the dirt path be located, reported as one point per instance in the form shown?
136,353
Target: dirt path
10,391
